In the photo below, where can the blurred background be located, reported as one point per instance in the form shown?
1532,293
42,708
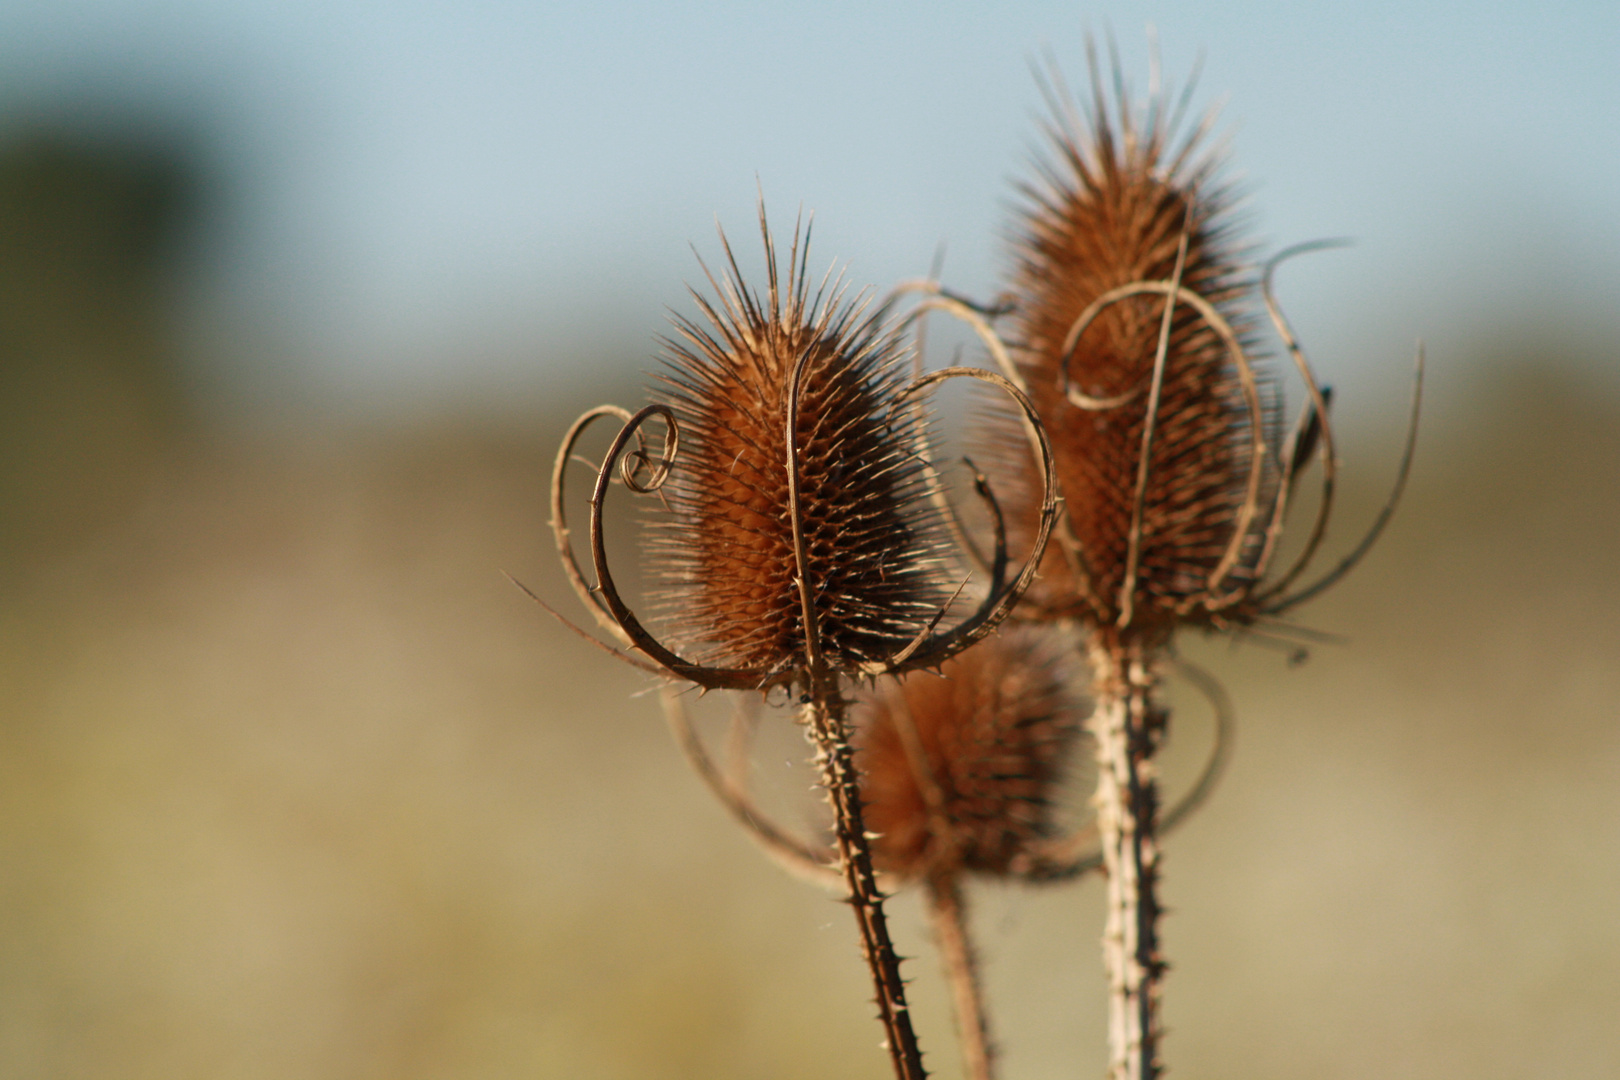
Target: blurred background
295,300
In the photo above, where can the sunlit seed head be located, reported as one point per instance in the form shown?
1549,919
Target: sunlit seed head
1110,207
726,554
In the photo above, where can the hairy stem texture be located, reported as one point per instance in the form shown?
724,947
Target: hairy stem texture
824,715
1127,728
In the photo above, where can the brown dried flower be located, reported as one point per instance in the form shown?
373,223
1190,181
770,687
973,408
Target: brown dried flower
960,769
870,534
1154,413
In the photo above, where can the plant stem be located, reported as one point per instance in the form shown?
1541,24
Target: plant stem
949,912
824,715
1127,728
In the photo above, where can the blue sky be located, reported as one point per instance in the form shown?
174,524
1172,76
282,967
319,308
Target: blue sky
416,194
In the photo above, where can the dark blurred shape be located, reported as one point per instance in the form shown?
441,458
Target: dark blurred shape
91,230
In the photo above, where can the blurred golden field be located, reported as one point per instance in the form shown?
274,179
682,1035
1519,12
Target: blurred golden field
294,783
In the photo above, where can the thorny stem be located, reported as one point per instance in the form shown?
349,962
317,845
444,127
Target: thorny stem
948,911
824,716
1127,727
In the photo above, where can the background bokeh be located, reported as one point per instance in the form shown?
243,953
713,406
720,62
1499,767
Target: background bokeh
295,300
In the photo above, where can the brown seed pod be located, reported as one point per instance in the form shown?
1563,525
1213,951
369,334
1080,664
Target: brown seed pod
1155,423
800,536
726,555
960,768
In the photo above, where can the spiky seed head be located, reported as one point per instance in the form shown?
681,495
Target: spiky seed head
975,787
726,554
1109,208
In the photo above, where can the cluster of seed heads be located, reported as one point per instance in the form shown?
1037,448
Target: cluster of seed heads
798,534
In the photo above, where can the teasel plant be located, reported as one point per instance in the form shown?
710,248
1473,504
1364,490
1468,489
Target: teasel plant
1132,328
794,533
1131,321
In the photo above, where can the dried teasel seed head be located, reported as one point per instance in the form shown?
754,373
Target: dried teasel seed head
960,768
726,552
1122,200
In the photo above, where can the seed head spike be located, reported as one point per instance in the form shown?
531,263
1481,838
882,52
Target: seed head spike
1131,333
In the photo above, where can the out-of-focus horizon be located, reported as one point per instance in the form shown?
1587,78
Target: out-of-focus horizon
413,200
294,303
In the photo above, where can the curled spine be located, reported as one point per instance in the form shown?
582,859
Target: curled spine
1313,432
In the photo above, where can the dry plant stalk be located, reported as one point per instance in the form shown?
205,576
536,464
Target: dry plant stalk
1131,332
961,771
796,539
